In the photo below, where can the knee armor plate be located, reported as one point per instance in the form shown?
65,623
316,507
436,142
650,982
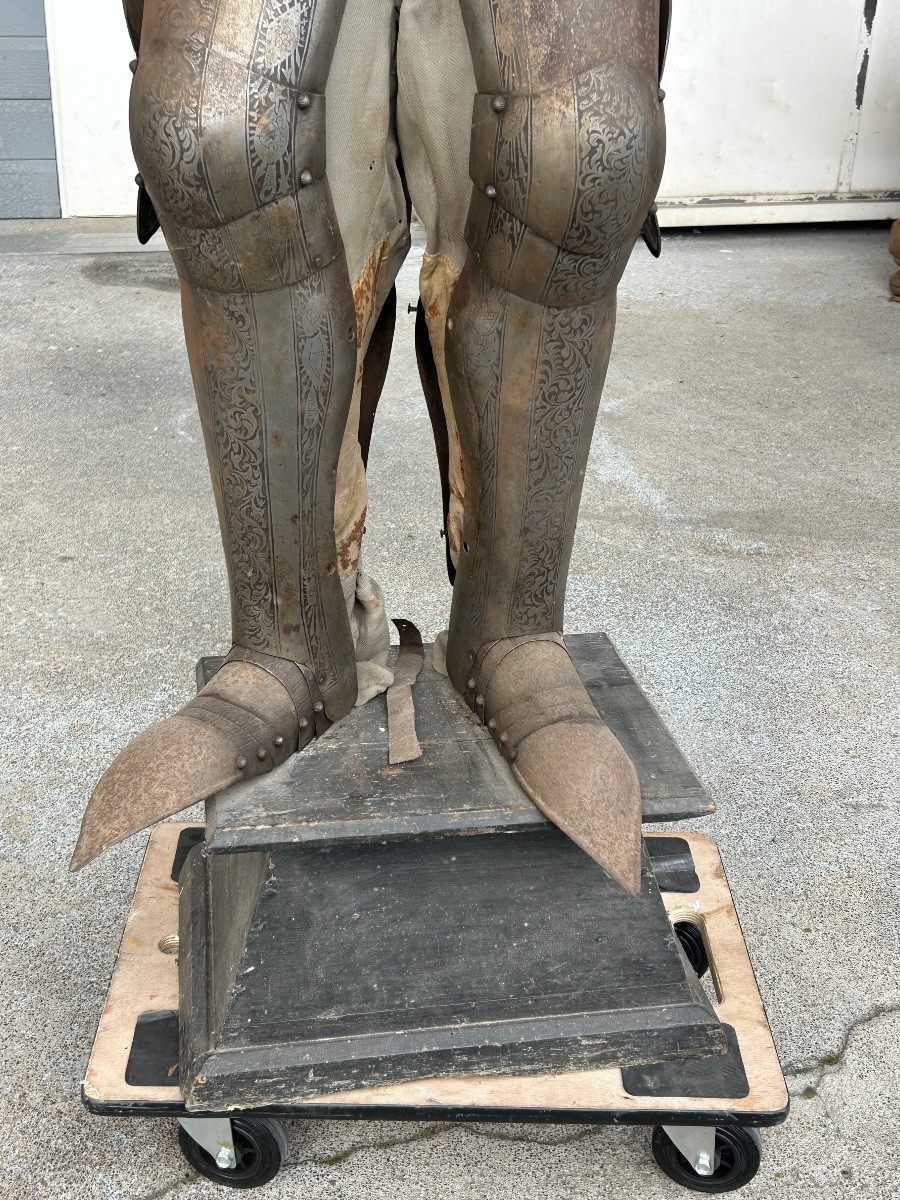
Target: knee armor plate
563,181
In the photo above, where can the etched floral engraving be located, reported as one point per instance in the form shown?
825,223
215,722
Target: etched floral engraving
282,44
501,243
206,257
511,45
314,351
613,139
169,151
269,139
485,322
581,278
235,411
561,389
512,155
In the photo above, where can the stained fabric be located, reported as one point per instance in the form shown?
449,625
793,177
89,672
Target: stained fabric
400,91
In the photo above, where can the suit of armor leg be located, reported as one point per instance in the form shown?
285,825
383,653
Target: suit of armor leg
229,130
567,151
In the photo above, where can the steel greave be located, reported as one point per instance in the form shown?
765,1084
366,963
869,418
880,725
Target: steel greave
528,386
566,156
274,376
228,127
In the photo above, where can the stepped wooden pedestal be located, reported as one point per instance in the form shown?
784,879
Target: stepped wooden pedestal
359,940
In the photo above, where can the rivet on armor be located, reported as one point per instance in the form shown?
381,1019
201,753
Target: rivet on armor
504,737
132,66
278,739
330,569
479,700
318,706
304,100
139,180
318,262
513,755
470,684
661,95
304,723
490,191
305,178
241,763
492,724
260,754
449,322
498,104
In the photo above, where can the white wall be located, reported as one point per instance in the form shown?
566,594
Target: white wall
761,111
760,107
89,55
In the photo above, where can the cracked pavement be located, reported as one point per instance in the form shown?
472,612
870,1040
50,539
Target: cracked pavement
738,541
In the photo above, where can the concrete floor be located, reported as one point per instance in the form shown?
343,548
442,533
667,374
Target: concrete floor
739,541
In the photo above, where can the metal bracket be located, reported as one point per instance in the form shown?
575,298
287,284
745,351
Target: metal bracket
698,1145
215,1136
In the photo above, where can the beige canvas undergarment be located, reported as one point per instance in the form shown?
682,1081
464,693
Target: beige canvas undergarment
399,81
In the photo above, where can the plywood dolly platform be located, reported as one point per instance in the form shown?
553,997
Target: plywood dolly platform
705,1110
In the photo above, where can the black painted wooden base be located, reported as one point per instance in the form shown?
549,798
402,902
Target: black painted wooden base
134,1065
338,931
312,970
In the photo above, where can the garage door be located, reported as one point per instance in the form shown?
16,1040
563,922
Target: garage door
28,179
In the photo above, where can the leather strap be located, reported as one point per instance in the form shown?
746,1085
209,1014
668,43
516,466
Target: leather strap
403,742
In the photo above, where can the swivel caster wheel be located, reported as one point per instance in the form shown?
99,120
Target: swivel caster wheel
734,1161
693,945
257,1151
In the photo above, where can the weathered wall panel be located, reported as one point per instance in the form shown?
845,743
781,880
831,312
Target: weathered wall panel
877,161
28,188
24,74
28,176
22,18
26,129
